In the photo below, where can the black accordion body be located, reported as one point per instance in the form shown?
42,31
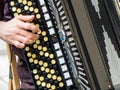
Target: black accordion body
79,44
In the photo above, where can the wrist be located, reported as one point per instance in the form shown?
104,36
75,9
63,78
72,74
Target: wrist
1,28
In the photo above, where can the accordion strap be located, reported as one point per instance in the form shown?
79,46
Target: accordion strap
14,83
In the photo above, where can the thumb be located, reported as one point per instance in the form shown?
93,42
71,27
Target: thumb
26,18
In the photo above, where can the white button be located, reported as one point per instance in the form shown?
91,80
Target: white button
78,63
70,39
61,60
68,33
74,49
49,24
42,2
75,53
51,31
57,46
69,82
66,75
64,68
77,58
72,44
44,9
66,27
47,17
59,53
65,22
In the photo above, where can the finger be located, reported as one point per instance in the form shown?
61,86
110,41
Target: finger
28,35
24,40
18,44
28,26
26,18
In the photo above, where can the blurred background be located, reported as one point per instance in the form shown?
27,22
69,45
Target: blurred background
4,66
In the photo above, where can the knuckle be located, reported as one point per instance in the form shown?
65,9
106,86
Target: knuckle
29,36
31,41
28,26
26,41
22,46
32,36
37,36
16,44
17,31
34,28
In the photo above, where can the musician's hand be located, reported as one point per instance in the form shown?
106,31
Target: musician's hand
16,31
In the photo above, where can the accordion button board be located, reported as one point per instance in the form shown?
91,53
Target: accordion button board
53,60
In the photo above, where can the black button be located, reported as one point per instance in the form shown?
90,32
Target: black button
50,66
21,6
32,66
46,79
40,72
55,67
34,4
51,81
40,88
38,67
17,4
45,89
57,73
56,83
44,74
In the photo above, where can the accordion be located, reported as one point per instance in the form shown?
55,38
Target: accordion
79,44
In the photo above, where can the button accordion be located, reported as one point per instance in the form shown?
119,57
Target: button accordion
79,44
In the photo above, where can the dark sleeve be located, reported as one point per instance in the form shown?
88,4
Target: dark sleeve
1,10
6,13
